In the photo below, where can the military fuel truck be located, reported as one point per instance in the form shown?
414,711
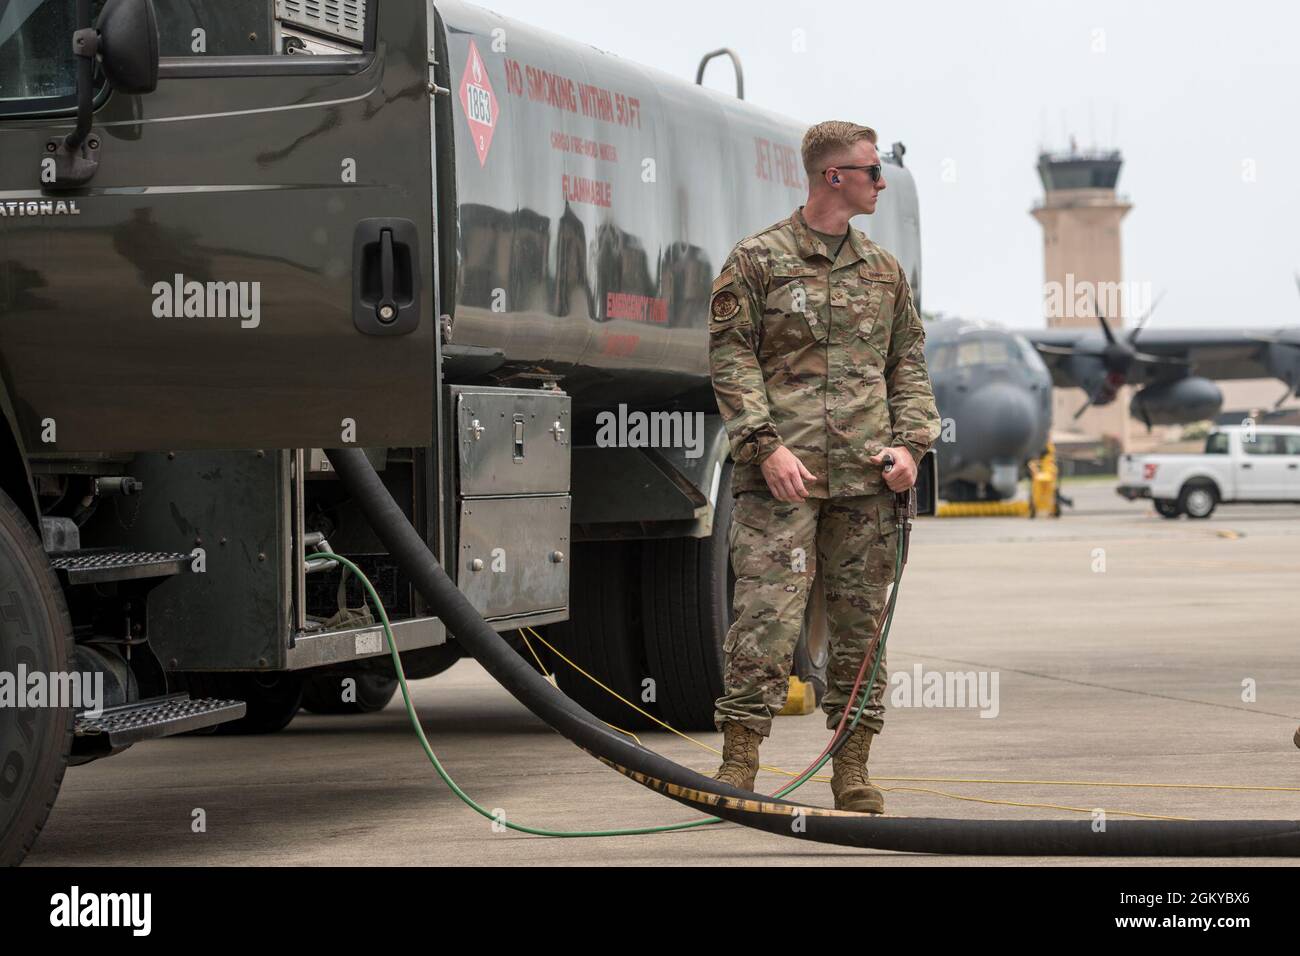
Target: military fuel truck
236,232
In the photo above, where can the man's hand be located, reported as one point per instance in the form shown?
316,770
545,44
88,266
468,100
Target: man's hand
785,475
903,475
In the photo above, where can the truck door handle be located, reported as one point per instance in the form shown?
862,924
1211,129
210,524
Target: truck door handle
386,277
1246,464
1293,466
386,310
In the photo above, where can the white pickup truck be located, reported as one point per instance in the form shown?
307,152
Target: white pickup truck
1259,464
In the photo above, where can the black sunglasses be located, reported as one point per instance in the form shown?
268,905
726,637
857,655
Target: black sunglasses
872,171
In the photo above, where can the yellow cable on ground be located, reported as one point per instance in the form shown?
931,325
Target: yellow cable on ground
988,780
541,668
1040,806
649,716
551,680
822,777
609,690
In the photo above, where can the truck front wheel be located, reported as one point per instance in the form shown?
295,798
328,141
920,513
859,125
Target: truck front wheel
36,635
1198,500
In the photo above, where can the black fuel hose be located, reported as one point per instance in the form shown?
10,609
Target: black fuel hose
781,817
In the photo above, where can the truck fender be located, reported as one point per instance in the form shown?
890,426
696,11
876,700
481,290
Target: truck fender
1198,476
703,472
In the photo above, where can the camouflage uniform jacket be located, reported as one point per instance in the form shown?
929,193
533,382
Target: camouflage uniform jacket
824,358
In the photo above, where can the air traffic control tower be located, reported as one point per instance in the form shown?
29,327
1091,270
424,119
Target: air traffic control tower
1080,214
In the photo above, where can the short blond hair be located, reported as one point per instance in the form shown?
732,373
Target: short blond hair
828,139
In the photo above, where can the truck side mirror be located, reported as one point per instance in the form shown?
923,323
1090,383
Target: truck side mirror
124,40
128,45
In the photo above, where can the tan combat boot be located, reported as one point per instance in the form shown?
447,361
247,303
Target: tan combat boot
739,755
853,791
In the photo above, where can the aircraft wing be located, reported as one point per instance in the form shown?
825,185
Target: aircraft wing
1214,353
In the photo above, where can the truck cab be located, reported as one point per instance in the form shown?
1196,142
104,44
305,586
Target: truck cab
219,254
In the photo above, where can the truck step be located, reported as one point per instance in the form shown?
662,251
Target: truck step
156,717
102,564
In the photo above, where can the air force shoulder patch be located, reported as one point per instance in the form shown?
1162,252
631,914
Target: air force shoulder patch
724,305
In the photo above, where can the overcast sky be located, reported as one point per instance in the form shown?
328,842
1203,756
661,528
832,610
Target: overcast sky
1200,97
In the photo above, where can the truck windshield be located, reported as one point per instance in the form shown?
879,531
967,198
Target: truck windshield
37,67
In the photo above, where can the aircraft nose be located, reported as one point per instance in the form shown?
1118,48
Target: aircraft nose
1000,420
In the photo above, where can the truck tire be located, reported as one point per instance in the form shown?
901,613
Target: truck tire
1167,508
273,698
686,591
323,693
603,634
1198,499
35,631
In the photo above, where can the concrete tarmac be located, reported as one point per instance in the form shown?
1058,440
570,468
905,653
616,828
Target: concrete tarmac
1128,650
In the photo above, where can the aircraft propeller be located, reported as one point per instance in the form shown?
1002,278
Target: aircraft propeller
1117,357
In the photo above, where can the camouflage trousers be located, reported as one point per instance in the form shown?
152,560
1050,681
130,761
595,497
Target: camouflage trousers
777,548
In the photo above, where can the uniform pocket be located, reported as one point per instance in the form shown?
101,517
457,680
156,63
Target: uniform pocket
748,536
751,511
872,308
886,553
793,309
